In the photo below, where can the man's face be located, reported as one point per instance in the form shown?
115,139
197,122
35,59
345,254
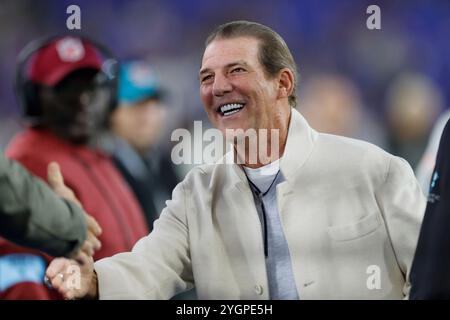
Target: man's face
75,109
234,89
140,124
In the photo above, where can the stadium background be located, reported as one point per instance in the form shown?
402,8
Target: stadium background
386,86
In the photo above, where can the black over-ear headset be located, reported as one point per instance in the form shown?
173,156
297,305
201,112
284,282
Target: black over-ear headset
27,91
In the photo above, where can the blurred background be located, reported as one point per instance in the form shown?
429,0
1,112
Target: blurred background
385,86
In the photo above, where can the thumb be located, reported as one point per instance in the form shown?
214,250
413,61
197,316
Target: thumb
54,175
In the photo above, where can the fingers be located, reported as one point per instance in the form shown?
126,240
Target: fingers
56,182
66,276
57,282
87,248
92,225
55,274
96,244
54,176
90,245
94,230
56,266
83,259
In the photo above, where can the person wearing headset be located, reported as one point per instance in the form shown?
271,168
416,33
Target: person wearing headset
67,87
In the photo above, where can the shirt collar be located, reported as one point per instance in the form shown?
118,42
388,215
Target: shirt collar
299,145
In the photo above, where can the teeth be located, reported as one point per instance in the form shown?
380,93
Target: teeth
231,112
231,108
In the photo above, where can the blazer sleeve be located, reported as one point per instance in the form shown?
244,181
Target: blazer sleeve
402,204
159,265
32,215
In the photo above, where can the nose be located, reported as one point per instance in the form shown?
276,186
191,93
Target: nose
221,85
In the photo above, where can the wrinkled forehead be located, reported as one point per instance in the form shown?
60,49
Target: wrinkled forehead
221,52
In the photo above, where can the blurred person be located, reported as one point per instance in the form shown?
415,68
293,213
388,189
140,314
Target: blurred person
136,127
67,87
32,215
426,165
430,277
308,224
331,103
413,103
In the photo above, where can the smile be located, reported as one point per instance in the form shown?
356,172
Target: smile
230,108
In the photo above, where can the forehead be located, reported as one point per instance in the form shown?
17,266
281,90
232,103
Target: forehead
222,52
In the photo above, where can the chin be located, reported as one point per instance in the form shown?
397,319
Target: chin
78,139
82,136
234,132
235,126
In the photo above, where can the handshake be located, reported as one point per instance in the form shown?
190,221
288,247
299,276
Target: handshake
82,257
91,244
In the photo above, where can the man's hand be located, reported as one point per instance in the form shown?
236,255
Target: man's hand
73,279
56,182
91,244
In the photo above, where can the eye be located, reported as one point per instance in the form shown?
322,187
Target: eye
206,78
237,70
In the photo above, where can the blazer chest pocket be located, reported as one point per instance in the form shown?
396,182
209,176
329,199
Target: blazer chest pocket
355,230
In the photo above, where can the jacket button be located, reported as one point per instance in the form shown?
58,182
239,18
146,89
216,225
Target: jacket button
259,289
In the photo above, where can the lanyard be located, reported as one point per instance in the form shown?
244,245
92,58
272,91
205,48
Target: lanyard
259,197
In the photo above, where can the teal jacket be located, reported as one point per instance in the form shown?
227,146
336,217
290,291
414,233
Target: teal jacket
32,215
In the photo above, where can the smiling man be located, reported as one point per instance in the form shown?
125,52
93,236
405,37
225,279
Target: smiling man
310,224
239,93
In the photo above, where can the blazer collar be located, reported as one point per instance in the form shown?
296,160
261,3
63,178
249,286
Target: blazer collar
299,145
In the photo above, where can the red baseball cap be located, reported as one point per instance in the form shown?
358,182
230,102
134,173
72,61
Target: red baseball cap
53,62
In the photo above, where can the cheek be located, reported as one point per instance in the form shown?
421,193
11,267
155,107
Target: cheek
123,120
206,97
151,121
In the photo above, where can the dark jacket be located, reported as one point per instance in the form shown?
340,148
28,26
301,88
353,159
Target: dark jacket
430,276
152,177
32,215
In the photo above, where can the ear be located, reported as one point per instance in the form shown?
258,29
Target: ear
285,83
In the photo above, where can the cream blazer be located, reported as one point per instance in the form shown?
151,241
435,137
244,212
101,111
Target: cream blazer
350,212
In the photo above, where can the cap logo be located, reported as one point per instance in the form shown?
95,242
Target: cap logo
70,49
